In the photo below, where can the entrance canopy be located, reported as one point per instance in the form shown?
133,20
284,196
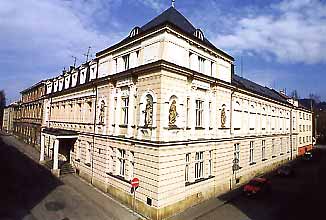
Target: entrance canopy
60,133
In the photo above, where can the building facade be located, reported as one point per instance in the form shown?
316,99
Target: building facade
28,119
9,115
164,105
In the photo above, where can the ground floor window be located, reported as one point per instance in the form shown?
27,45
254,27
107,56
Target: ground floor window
199,165
187,167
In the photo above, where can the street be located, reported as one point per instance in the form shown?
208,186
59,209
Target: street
298,197
29,191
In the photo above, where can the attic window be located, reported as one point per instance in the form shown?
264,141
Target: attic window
134,31
199,34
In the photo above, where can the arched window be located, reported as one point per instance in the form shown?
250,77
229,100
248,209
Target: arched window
252,118
237,116
263,121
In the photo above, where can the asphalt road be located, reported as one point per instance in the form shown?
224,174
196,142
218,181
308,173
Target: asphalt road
28,191
299,197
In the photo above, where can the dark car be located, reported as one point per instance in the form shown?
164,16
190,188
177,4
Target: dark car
307,156
256,186
285,170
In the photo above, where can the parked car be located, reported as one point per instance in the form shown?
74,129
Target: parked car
307,156
285,170
256,186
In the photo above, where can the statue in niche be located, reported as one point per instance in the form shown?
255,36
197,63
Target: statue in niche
148,113
223,117
173,114
102,112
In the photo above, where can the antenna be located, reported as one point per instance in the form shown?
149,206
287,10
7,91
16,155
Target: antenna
241,70
173,3
87,54
75,58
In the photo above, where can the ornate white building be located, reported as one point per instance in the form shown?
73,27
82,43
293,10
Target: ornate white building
165,106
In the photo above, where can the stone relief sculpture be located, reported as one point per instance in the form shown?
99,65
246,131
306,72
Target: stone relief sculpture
173,114
148,113
223,117
102,112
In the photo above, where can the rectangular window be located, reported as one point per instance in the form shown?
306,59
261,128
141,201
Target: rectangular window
281,146
199,165
126,61
251,152
121,162
300,128
125,106
187,167
303,140
263,150
199,113
201,65
273,147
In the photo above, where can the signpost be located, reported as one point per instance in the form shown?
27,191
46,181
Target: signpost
134,185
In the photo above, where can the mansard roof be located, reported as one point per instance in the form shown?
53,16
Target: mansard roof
246,84
172,17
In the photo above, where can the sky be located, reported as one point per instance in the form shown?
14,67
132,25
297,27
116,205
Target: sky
281,43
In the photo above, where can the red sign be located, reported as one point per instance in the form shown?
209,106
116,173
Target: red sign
135,182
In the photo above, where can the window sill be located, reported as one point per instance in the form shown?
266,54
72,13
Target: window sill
199,128
251,129
281,153
146,127
273,156
252,163
198,181
123,126
264,159
173,127
210,128
118,177
187,128
236,129
88,164
77,160
225,128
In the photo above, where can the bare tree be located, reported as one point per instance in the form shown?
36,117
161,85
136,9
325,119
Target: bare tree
314,97
2,106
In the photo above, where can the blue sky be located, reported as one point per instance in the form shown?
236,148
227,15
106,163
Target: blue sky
282,42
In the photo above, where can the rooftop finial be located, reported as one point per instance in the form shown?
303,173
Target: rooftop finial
173,2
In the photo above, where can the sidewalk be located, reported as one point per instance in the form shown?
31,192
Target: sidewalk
207,206
78,187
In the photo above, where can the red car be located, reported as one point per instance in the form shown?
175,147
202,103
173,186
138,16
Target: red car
257,185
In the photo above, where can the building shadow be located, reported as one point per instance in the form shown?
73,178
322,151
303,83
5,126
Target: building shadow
23,183
302,196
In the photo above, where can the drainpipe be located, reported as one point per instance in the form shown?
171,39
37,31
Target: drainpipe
94,127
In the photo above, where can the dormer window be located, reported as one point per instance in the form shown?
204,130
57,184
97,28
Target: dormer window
199,34
134,31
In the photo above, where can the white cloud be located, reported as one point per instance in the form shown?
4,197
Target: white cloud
41,35
156,5
291,31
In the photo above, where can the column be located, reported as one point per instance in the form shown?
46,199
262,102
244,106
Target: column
56,154
42,149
